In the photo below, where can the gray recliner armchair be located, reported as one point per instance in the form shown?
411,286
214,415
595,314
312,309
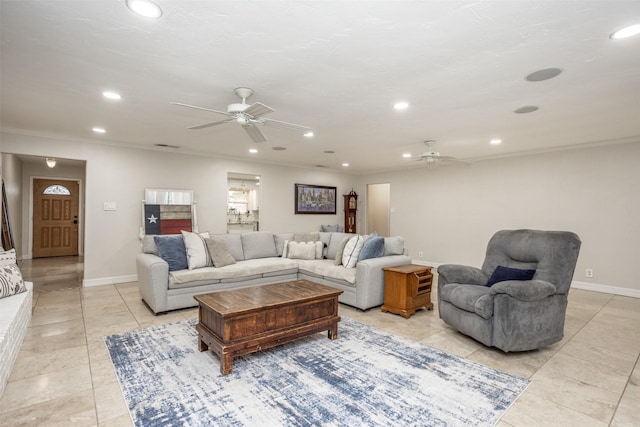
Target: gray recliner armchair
525,308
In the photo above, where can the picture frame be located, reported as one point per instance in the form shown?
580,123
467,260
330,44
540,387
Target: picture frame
315,199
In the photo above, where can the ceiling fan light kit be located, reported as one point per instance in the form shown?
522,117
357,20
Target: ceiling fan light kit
433,158
249,116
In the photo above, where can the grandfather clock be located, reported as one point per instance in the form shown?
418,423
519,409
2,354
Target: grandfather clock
350,210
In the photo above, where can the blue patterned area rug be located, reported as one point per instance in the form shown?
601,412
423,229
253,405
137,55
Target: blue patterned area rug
366,377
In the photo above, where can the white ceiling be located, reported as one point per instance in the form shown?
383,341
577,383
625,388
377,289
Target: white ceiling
337,67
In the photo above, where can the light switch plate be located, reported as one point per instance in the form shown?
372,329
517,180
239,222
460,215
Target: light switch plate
109,206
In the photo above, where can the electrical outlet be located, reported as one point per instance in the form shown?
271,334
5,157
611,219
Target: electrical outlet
589,272
420,254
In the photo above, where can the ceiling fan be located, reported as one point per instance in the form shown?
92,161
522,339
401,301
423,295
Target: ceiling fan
249,116
433,158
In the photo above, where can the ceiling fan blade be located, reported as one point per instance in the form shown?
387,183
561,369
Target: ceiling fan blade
254,133
258,109
209,124
285,126
453,159
201,108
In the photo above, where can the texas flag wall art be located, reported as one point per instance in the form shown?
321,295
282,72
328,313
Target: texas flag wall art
167,219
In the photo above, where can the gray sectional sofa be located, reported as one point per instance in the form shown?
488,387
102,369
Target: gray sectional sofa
259,261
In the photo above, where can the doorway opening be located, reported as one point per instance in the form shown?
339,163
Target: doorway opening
378,209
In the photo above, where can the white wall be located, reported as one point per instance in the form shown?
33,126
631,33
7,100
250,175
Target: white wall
120,175
449,213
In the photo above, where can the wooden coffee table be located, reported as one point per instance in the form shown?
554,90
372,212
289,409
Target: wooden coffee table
242,321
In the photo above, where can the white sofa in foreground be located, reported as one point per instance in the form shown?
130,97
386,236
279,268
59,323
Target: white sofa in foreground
259,261
15,314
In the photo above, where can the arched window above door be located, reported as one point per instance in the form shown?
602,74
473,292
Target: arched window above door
57,189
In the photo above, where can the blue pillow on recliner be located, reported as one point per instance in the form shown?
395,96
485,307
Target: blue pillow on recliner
506,273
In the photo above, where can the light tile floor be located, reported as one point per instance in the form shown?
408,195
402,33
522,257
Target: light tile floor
64,377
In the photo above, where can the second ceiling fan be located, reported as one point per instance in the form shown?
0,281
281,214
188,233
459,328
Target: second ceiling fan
249,116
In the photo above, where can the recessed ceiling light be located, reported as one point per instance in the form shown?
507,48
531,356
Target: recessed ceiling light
98,130
111,95
407,155
401,105
526,109
253,150
345,164
623,33
546,74
145,8
308,134
495,141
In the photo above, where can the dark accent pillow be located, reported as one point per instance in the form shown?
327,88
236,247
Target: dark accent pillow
506,273
172,250
373,248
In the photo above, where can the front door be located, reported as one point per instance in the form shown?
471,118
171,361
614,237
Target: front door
55,218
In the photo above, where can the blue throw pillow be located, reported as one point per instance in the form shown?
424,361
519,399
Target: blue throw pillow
172,250
373,247
506,273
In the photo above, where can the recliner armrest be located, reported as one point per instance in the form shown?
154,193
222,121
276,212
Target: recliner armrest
454,273
524,290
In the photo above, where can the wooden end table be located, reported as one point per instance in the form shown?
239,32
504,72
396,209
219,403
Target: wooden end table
242,321
407,288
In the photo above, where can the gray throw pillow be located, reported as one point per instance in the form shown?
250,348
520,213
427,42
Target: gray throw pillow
373,248
219,252
340,251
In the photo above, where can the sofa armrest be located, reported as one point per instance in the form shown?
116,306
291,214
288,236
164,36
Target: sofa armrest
153,281
524,290
454,273
370,279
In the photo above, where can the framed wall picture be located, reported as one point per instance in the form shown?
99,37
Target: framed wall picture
315,199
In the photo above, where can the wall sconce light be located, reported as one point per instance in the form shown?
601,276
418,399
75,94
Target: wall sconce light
51,162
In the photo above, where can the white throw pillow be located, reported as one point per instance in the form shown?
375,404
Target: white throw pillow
302,250
197,251
351,251
8,257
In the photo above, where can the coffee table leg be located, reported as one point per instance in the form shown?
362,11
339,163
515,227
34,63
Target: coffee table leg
226,364
333,332
202,346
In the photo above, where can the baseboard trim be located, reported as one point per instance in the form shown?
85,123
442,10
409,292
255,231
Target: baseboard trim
87,283
595,287
606,289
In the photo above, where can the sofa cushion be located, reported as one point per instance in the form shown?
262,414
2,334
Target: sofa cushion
306,237
500,274
352,250
327,269
373,247
149,245
329,227
197,251
258,244
473,298
234,243
393,246
336,238
241,270
172,250
219,252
